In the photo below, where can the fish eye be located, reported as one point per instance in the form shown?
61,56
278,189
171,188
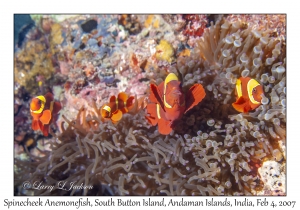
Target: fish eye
180,85
254,90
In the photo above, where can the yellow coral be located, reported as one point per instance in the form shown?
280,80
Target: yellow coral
156,24
148,21
164,51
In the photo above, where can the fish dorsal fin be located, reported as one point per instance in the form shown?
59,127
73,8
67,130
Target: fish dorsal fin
51,106
56,108
49,97
156,95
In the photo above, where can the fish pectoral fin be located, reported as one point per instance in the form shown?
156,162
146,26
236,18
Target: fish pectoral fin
241,100
156,96
35,125
241,105
194,96
46,117
164,126
117,116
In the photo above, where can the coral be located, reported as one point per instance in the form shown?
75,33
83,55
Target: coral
195,25
273,176
33,61
152,21
130,23
187,28
164,51
213,150
56,18
56,34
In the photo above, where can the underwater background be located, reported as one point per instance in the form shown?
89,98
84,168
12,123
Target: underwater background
213,149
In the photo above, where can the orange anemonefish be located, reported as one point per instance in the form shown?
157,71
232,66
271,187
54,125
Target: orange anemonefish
248,94
44,110
116,107
168,103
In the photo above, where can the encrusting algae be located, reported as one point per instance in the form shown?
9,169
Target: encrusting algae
214,148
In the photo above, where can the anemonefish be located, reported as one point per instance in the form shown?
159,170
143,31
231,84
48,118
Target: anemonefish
44,110
167,102
248,94
117,106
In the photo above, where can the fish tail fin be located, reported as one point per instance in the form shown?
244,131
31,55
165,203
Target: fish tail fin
152,117
241,105
194,96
